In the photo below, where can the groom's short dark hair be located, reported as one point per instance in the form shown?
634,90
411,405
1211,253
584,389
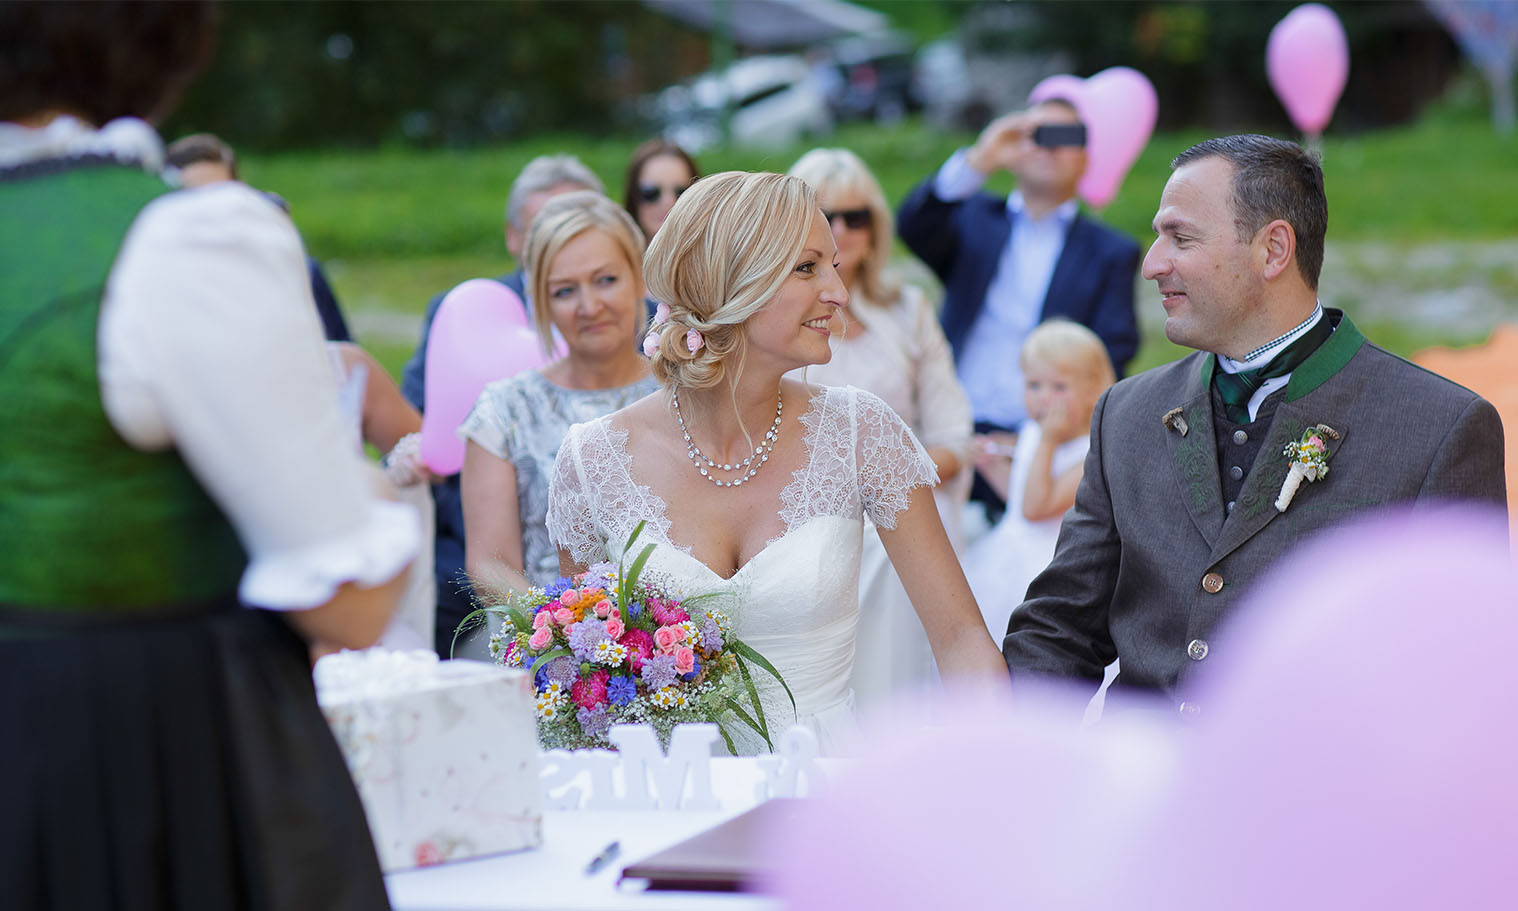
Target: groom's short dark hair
1273,179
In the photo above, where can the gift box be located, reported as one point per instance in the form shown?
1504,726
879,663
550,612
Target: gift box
444,753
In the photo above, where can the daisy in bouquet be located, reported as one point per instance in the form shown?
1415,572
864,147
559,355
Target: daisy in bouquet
614,646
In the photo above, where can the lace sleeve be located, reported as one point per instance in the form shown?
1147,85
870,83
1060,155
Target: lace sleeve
890,460
571,523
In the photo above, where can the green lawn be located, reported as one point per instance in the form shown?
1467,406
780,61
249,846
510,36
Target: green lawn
396,226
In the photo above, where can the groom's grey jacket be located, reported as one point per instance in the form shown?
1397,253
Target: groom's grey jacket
1149,562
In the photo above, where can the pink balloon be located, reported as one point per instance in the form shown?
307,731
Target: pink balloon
1307,60
1120,108
1355,747
1060,85
479,334
971,804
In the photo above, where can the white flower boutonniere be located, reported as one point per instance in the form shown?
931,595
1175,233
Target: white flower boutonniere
1309,461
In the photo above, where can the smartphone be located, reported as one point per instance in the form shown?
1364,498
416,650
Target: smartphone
1054,135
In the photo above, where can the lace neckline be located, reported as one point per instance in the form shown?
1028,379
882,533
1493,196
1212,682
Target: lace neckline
656,511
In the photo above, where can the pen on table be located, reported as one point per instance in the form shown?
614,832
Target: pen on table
607,855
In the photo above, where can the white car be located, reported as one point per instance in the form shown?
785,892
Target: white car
775,101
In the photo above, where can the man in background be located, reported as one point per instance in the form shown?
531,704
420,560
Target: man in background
1008,264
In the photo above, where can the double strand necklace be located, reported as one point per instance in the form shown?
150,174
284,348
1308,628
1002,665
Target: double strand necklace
760,455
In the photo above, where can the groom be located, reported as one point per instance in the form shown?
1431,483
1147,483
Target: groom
1181,509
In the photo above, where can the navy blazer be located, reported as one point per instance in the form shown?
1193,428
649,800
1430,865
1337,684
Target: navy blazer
963,242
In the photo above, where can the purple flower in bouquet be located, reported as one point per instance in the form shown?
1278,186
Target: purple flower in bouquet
634,609
711,635
659,672
622,690
599,572
594,722
695,669
562,670
585,636
558,587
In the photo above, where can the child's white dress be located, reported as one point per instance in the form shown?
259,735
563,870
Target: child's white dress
1002,563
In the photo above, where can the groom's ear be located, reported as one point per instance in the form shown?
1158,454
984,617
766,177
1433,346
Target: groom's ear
1276,249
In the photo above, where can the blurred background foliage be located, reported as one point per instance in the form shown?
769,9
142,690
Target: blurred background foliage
395,129
299,74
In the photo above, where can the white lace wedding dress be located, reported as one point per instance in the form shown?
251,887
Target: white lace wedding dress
796,602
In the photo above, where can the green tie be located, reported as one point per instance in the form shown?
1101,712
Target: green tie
1236,388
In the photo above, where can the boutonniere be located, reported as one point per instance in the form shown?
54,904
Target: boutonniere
1309,461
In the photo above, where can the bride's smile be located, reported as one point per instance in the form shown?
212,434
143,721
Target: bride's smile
795,325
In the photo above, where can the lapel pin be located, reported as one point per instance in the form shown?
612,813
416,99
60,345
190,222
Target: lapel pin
1174,421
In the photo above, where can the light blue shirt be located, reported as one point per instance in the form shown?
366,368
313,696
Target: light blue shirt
990,365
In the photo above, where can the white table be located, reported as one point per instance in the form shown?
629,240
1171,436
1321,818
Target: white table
553,876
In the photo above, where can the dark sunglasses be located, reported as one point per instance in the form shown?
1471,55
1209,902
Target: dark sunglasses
853,219
650,192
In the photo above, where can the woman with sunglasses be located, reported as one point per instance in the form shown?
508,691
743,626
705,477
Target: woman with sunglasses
658,173
892,346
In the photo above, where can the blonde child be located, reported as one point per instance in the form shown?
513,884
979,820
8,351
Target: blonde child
1065,369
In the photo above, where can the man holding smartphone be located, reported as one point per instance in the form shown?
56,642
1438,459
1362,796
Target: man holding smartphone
1008,264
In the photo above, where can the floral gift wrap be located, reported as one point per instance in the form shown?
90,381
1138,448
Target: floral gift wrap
444,753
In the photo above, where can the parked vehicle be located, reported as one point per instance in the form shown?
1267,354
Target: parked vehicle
874,78
774,100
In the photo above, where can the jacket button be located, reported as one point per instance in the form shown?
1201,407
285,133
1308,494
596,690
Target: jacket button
1196,649
1189,709
1236,473
1240,437
1212,583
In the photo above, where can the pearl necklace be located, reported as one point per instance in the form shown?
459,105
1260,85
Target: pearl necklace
752,462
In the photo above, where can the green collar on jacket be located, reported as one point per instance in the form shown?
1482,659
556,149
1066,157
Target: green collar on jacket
1322,364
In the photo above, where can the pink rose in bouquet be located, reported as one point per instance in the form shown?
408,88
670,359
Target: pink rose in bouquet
667,637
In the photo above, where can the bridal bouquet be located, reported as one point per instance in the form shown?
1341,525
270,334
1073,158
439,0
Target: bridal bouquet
613,646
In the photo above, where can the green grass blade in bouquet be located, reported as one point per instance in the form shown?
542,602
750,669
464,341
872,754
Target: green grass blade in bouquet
748,719
744,650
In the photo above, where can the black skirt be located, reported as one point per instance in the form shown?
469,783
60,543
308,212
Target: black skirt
174,764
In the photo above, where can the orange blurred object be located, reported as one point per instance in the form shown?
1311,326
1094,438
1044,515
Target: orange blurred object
1491,371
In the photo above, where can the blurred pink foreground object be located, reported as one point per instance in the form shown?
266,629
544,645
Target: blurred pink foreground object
1356,750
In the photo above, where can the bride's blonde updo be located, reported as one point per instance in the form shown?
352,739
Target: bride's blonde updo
727,246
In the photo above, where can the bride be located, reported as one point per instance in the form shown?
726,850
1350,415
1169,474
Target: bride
754,487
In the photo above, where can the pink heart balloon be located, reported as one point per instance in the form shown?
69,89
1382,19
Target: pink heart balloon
1120,107
479,335
1060,85
1307,60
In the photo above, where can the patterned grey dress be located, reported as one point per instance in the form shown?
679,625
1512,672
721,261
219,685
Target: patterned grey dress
523,419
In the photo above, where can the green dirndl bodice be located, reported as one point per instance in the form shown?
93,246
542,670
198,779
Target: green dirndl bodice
87,523
162,743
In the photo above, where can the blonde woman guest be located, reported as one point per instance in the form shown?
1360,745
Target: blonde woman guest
1065,370
584,269
892,345
755,487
